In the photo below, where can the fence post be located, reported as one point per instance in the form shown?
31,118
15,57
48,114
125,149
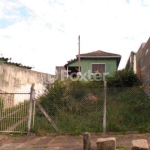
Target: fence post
33,119
33,103
30,109
104,109
86,141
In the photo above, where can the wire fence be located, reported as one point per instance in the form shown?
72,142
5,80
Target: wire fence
76,110
80,110
14,111
128,109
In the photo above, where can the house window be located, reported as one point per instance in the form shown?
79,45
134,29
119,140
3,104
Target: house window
98,68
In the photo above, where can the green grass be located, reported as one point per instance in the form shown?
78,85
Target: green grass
23,127
23,107
122,147
128,110
76,113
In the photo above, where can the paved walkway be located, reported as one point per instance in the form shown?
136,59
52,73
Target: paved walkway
62,142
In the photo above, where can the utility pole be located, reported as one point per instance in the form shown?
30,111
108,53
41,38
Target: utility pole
79,54
104,109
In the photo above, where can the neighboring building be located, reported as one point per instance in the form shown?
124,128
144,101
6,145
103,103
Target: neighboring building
131,63
140,63
139,57
143,65
97,61
59,71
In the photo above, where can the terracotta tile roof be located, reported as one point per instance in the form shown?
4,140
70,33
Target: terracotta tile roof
72,60
99,53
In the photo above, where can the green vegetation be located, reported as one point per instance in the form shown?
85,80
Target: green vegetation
128,110
1,105
122,147
72,106
123,78
77,107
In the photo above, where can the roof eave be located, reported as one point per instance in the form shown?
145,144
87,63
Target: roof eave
118,58
100,56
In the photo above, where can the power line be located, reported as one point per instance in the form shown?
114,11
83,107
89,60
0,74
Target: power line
48,25
12,7
35,14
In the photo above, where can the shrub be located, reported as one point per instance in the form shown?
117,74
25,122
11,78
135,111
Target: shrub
77,107
52,97
123,78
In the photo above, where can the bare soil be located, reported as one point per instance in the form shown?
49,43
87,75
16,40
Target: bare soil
11,142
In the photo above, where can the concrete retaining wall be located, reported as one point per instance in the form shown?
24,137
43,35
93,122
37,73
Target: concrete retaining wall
16,79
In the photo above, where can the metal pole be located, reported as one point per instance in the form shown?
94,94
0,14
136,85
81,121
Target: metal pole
104,111
79,54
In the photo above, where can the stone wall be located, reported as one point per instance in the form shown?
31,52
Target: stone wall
143,65
15,79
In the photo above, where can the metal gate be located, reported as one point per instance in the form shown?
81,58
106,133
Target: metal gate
14,110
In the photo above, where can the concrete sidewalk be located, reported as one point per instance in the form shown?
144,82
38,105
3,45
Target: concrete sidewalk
63,142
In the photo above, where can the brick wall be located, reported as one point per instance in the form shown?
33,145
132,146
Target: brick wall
143,65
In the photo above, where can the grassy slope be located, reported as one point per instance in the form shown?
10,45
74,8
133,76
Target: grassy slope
79,108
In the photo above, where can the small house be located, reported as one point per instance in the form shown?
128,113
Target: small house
96,61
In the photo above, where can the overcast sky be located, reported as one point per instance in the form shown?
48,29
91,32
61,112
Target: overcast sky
44,33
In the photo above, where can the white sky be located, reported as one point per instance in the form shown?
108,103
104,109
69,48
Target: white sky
44,33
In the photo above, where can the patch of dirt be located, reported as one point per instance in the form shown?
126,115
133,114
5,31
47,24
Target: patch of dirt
124,142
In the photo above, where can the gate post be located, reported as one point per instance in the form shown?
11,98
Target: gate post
32,92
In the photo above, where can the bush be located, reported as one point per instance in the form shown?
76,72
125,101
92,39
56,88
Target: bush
127,109
68,95
52,97
72,106
77,107
123,78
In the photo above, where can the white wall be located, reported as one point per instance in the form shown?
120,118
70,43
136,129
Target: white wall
16,79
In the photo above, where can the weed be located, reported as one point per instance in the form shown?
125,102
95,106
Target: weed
77,108
121,146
